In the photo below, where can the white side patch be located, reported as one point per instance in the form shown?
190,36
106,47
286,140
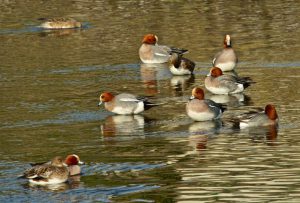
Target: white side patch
179,71
129,99
159,54
204,116
139,108
226,66
217,90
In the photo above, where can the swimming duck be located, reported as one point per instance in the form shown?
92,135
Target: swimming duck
218,83
124,103
180,65
226,59
151,52
53,173
267,117
60,23
200,109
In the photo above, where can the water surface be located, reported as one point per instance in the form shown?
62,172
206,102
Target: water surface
51,81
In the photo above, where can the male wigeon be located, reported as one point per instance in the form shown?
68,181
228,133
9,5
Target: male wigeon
200,109
180,65
72,161
226,59
60,23
267,117
218,83
124,103
52,173
151,52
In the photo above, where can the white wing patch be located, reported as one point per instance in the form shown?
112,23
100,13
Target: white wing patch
159,54
129,100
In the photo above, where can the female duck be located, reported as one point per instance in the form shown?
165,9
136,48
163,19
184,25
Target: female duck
60,23
49,173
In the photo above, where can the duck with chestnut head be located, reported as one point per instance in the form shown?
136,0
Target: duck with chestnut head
124,104
200,109
218,83
151,52
265,118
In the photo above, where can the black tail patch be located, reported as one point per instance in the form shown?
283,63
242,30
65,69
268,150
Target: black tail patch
149,105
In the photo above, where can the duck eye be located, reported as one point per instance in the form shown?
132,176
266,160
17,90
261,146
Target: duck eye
102,96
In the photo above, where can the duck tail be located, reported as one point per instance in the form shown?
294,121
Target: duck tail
223,108
42,19
246,81
179,51
149,105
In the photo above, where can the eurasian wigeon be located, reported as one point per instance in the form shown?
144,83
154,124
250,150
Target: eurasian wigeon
151,52
218,83
52,173
72,161
226,59
60,23
180,65
200,109
124,103
267,117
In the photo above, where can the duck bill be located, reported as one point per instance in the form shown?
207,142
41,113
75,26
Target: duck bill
100,103
81,163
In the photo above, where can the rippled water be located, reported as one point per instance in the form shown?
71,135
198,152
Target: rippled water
51,81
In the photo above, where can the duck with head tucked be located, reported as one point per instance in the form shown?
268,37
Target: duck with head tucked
50,173
226,59
218,83
60,23
265,118
179,65
124,104
151,52
200,109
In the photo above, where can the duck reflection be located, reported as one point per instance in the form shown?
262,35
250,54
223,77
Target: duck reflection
267,134
151,74
198,142
123,125
73,182
205,127
181,82
232,100
58,32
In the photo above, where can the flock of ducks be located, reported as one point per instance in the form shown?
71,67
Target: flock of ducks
197,108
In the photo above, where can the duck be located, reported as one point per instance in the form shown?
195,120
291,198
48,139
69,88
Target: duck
124,103
268,117
180,65
218,83
72,161
60,23
200,109
54,172
226,59
151,52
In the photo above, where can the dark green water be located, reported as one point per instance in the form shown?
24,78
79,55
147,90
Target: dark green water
51,81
